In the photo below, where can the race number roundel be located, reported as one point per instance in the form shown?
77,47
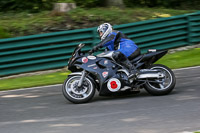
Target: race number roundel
114,84
84,60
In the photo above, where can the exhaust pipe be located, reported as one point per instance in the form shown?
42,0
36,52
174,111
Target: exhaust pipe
147,73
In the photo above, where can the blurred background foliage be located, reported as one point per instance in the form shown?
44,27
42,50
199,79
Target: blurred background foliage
39,5
28,17
21,5
176,4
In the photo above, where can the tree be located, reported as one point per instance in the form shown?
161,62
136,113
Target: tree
117,3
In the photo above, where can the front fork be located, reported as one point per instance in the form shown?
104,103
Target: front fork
82,78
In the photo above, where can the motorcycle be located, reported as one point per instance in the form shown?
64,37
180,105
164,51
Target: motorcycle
103,73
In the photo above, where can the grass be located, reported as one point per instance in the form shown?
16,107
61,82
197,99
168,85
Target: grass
129,14
182,59
20,24
4,33
33,81
176,60
24,23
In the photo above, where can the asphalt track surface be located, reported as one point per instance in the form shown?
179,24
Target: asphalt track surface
45,110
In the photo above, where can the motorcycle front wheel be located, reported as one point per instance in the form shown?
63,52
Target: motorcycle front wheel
161,86
76,94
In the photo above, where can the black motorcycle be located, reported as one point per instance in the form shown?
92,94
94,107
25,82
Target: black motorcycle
103,73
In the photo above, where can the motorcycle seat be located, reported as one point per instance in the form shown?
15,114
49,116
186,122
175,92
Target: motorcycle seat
136,59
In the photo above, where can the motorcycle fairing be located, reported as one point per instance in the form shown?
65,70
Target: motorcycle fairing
102,68
104,91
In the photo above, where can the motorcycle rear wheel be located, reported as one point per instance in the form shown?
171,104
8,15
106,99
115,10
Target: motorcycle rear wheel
165,85
76,94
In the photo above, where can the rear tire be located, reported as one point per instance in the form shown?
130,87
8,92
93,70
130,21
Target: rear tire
168,82
78,95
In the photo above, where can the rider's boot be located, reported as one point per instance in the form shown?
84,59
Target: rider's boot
132,70
123,60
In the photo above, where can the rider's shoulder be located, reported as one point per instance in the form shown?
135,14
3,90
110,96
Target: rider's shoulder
115,31
113,34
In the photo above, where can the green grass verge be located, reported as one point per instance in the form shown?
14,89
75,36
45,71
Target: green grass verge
112,14
33,81
24,23
181,59
176,60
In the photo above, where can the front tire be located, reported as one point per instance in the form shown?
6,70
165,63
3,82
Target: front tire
74,94
165,85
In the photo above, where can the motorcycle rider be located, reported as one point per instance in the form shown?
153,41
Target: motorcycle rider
124,48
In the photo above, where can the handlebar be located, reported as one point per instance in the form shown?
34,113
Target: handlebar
90,52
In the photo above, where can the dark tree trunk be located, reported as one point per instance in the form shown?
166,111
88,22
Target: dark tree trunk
117,3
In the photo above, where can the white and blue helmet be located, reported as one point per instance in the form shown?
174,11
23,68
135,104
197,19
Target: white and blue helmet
106,29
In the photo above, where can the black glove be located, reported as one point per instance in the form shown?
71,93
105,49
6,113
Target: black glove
90,52
94,49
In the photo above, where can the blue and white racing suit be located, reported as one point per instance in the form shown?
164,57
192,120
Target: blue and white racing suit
124,49
117,41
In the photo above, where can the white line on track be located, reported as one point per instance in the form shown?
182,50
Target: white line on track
31,88
61,84
186,68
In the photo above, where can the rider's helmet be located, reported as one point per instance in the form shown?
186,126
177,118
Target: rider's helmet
104,30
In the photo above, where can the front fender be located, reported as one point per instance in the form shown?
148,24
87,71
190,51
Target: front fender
80,73
75,73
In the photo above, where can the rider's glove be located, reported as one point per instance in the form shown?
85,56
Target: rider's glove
94,49
90,52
